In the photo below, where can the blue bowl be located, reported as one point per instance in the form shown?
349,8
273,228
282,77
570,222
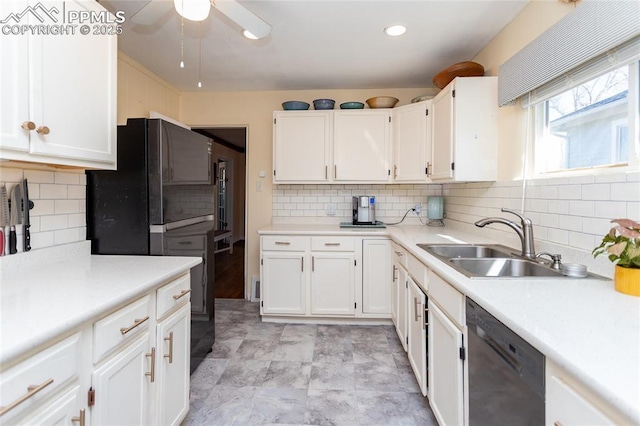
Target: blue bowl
323,104
352,105
295,105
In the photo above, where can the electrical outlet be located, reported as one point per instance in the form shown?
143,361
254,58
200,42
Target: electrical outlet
331,209
418,208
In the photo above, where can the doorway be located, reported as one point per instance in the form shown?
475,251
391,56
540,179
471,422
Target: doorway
229,157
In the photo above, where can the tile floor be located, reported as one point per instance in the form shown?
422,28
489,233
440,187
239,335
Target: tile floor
265,373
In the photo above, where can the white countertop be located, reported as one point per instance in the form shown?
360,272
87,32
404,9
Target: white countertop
583,325
50,292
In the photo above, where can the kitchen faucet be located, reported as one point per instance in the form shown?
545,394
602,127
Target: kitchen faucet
524,230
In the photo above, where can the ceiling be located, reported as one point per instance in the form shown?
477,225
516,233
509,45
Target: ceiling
330,44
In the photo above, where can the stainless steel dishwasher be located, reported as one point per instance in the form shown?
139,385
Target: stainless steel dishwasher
506,374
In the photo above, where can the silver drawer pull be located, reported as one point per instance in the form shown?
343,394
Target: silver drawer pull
136,322
398,253
31,390
331,244
283,243
182,293
170,340
185,243
80,419
152,373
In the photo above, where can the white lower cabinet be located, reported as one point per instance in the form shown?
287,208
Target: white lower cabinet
446,368
333,284
403,290
123,385
61,411
417,334
283,285
172,372
377,277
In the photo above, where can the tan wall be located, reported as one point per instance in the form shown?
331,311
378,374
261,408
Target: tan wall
254,110
537,17
141,91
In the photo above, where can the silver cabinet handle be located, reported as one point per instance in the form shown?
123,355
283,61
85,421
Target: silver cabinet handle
185,243
136,322
395,171
326,168
80,418
313,263
393,274
283,243
182,293
425,323
170,340
152,373
416,302
331,244
398,253
302,264
31,390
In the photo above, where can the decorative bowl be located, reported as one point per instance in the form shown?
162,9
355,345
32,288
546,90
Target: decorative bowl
421,98
352,105
461,69
382,102
295,105
323,104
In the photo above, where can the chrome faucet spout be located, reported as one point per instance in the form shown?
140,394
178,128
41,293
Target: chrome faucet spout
524,230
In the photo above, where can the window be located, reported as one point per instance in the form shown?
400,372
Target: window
588,125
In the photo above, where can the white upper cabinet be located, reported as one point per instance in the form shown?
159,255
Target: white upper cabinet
59,92
412,142
465,130
301,143
361,145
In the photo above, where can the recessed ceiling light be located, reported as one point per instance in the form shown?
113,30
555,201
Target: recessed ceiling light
395,30
248,34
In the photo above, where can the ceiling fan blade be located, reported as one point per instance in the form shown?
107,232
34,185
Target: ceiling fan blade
243,17
152,12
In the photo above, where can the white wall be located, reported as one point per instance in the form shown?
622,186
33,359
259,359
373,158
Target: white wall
59,199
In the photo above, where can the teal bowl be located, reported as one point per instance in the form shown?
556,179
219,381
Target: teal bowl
295,106
352,105
323,104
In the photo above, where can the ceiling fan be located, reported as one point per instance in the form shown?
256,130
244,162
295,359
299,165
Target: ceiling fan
198,10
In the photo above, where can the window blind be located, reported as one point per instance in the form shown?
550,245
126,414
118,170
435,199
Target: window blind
594,28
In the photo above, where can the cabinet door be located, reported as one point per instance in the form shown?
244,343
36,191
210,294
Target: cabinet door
377,277
122,386
394,296
443,134
301,142
283,283
361,148
14,85
412,142
74,96
417,346
403,288
333,284
565,406
173,340
446,395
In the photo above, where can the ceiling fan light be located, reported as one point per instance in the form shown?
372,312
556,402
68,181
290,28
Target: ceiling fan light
395,30
193,10
248,34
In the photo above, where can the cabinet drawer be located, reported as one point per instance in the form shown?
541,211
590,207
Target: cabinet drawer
284,243
400,255
332,244
47,371
567,407
192,242
120,326
175,293
418,271
448,298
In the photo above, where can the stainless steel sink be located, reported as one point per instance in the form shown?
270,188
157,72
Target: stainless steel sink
448,251
510,268
489,261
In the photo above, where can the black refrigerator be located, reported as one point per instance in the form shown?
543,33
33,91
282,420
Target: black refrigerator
160,202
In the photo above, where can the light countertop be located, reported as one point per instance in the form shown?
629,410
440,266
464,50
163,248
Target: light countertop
583,325
50,292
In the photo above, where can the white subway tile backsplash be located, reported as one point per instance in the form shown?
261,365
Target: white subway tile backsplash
11,175
583,241
633,211
39,176
558,236
596,226
569,192
597,191
52,223
67,178
610,209
76,220
581,208
66,236
629,191
42,239
67,206
76,192
53,192
43,207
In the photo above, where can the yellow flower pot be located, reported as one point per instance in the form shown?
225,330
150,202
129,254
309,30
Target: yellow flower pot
627,280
